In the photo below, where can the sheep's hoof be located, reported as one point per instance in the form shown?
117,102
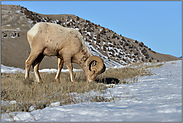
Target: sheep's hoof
75,82
40,82
58,81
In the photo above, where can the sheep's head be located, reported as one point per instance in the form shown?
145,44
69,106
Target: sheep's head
95,66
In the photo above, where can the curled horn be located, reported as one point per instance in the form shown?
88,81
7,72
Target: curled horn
95,64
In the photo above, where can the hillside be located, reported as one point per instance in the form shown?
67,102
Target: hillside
115,49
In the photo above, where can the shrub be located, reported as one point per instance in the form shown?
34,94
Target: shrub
150,60
77,18
131,50
108,38
34,22
141,44
124,60
147,56
88,29
98,40
59,22
114,43
69,24
126,44
113,36
103,40
123,39
103,31
90,37
87,21
136,53
144,51
98,36
95,26
130,46
79,30
136,41
104,47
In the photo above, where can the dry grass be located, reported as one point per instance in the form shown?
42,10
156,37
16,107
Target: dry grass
29,93
118,76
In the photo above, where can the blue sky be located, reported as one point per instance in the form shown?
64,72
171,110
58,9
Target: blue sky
158,24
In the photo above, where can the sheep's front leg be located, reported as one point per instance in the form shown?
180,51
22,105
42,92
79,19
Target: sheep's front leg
60,66
69,66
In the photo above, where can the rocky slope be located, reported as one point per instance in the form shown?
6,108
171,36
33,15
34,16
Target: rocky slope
115,49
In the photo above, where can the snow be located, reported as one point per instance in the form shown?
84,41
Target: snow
18,11
55,104
12,37
155,98
141,52
17,29
89,33
55,70
77,29
112,52
13,102
6,69
30,21
97,53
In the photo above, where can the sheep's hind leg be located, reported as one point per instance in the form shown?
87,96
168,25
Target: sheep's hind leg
60,66
36,64
32,57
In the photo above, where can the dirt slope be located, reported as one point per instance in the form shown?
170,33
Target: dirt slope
113,48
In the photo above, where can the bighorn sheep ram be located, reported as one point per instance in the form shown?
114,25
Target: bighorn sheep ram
67,44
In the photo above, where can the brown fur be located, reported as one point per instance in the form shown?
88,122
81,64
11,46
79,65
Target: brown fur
54,40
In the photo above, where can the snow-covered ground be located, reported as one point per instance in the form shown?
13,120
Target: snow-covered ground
153,98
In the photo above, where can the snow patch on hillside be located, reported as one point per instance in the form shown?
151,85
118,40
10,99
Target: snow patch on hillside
109,63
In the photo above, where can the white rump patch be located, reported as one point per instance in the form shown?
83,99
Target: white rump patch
33,31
